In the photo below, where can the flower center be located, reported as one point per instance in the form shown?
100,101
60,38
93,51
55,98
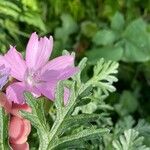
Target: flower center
30,80
31,77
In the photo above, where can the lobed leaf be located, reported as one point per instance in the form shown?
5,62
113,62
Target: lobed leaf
130,140
77,139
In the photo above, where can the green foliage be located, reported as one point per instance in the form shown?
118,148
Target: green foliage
69,26
129,141
104,37
124,107
113,30
15,14
143,127
104,76
136,41
88,28
130,44
117,22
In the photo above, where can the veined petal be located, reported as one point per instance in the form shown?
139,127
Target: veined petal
44,51
49,75
67,73
36,93
48,89
38,51
31,50
14,92
63,74
59,63
15,61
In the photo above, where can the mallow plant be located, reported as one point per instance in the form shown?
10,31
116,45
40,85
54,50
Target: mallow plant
45,104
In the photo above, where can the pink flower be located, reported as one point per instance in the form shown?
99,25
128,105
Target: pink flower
36,74
19,128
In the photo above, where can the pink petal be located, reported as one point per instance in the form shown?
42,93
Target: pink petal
19,129
24,146
14,92
67,73
5,103
66,95
36,93
15,128
3,61
59,63
38,51
24,133
31,50
16,63
49,75
47,89
17,107
27,127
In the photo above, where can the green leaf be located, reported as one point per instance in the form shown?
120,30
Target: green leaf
65,122
88,28
9,9
143,128
103,77
114,53
33,18
129,141
125,123
117,21
87,109
78,138
81,66
69,26
136,42
3,130
31,4
124,106
104,37
78,120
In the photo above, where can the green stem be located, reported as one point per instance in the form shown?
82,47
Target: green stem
57,125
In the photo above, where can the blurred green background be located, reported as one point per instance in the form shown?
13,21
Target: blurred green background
114,29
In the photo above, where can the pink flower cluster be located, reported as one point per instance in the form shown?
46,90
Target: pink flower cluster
35,74
19,128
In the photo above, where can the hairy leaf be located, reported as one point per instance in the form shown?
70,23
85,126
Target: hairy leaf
129,141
